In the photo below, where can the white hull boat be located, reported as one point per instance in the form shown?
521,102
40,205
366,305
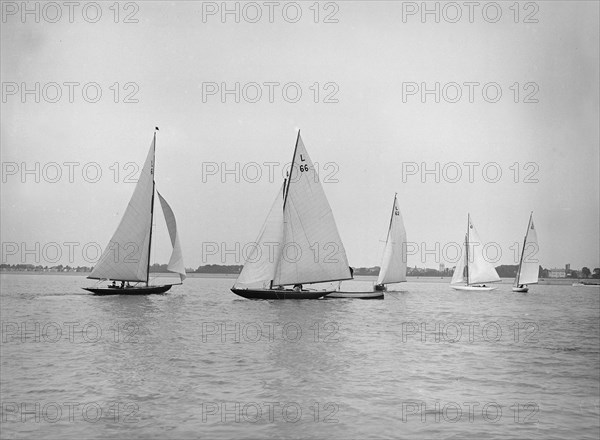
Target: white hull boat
473,271
475,288
528,270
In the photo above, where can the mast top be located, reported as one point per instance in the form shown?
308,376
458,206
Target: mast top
289,178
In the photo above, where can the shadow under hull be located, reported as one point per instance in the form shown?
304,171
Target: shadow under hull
378,294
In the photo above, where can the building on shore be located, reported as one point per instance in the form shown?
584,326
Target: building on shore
557,273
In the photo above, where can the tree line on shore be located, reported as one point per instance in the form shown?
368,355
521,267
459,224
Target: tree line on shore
504,271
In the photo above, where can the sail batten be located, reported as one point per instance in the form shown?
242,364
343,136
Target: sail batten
393,265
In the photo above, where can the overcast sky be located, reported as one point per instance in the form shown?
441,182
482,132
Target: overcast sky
369,130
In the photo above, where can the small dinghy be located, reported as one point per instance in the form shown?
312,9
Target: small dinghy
476,271
528,271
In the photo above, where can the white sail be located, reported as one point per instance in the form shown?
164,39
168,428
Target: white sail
176,261
262,260
126,256
480,270
459,271
393,265
529,266
312,250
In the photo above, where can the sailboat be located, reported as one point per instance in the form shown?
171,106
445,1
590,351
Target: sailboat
475,271
301,230
126,259
528,270
393,265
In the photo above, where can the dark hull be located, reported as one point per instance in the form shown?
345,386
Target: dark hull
142,290
280,294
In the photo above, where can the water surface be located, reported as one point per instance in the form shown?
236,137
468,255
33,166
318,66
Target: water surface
425,362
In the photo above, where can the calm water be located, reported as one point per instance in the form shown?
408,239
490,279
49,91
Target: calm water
426,362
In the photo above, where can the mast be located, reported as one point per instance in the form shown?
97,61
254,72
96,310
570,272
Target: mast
291,170
391,218
286,185
523,251
467,246
151,207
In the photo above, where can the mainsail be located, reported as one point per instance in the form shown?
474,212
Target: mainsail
126,256
312,250
479,269
262,261
393,266
529,266
176,261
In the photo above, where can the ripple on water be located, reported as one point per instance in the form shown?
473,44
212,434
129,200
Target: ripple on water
178,358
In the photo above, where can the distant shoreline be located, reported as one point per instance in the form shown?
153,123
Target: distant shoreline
545,281
152,274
